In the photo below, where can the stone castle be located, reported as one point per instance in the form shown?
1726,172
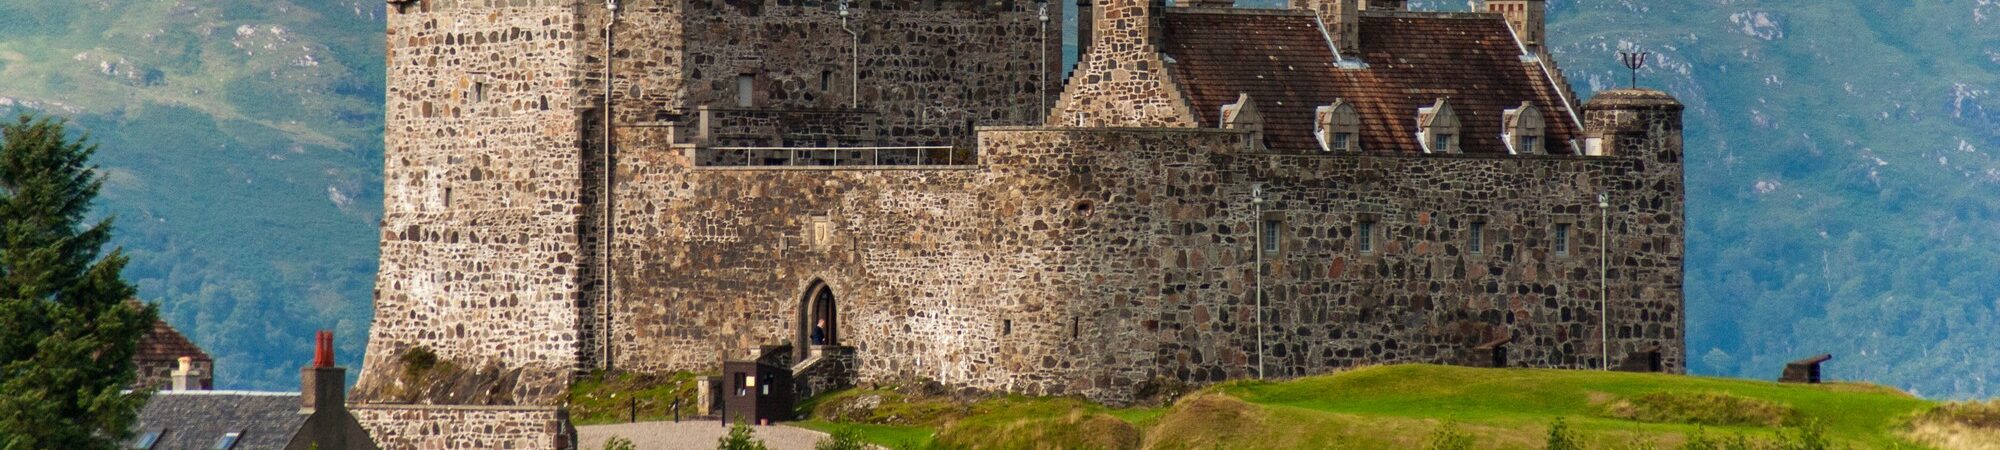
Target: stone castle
1211,193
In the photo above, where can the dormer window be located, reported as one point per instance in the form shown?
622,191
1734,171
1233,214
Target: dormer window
1337,127
1525,130
1243,115
1437,128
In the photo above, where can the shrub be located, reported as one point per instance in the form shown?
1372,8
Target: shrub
841,439
1563,438
740,438
1448,437
416,361
619,443
1702,408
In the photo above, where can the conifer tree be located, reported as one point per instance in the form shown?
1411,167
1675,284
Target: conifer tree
67,331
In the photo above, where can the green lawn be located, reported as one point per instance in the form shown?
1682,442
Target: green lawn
1395,407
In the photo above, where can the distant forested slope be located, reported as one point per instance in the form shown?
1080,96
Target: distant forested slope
243,145
1843,192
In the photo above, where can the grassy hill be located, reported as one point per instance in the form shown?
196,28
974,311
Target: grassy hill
1399,407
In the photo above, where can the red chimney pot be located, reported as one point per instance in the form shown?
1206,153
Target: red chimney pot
323,350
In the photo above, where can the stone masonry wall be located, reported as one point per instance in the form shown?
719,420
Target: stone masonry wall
482,193
958,275
404,427
1090,261
927,67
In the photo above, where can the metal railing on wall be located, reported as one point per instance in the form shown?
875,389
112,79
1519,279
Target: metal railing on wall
835,156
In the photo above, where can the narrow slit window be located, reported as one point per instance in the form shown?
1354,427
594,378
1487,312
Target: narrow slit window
744,85
826,80
1007,327
1476,242
1562,239
1364,236
1273,232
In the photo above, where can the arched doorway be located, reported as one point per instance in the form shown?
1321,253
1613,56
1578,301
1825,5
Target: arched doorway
819,318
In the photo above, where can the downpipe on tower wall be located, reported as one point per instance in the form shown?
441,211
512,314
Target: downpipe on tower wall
604,194
854,79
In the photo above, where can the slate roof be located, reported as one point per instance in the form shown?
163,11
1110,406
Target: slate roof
1286,64
163,343
196,419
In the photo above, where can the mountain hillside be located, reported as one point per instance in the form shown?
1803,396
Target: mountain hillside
242,142
1842,183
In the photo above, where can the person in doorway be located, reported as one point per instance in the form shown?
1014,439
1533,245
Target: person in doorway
819,332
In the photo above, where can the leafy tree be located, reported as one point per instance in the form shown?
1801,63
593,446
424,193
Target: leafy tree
740,438
67,331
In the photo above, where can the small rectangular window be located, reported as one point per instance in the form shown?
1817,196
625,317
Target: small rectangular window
744,85
1476,242
1444,142
1562,239
148,440
478,92
1531,144
826,80
228,441
1007,327
1343,142
1364,236
1272,233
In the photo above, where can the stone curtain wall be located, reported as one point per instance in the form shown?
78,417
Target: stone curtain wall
1123,81
967,276
1090,261
482,188
407,427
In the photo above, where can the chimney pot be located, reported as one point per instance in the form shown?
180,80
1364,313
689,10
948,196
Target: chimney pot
186,378
322,383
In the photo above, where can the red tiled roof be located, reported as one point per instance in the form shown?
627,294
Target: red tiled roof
165,344
1284,62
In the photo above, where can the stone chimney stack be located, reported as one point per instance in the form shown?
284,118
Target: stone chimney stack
1342,19
186,378
1122,80
322,383
1528,17
1384,5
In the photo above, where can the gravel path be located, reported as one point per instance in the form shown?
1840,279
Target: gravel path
701,435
